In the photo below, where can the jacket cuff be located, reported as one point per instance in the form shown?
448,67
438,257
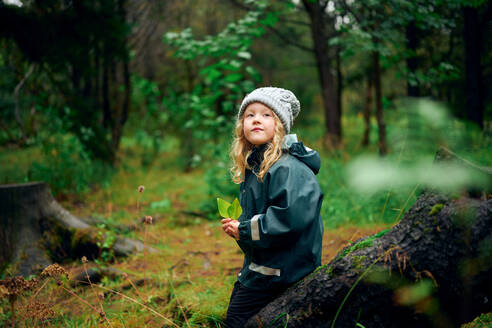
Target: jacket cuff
250,230
244,230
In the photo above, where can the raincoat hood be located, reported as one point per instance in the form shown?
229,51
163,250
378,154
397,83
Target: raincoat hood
305,154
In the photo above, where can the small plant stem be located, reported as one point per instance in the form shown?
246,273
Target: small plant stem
80,298
86,303
92,288
137,302
135,288
385,203
145,239
177,300
12,310
406,202
40,288
391,187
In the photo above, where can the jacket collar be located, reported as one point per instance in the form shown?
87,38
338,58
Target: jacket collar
256,157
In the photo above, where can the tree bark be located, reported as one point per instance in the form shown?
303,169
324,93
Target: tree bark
320,37
383,149
367,110
32,222
432,269
473,85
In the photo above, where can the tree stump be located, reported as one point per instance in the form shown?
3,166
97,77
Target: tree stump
35,230
432,269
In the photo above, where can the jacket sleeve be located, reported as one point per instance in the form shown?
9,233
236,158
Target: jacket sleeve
294,199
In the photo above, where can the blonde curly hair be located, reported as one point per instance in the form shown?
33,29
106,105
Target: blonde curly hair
241,149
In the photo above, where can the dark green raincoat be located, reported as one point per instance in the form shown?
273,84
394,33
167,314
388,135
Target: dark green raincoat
280,228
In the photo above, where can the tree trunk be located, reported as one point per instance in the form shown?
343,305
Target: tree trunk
17,110
432,269
319,34
412,61
473,84
367,111
383,149
339,83
32,223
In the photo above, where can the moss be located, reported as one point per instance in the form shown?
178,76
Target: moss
86,236
436,209
327,268
369,241
330,272
358,262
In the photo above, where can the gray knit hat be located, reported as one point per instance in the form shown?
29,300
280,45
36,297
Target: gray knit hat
283,102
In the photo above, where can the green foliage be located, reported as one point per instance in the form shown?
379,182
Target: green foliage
163,204
482,321
71,60
66,165
219,182
205,110
418,129
106,240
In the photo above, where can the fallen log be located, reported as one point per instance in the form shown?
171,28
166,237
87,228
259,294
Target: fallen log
432,269
441,246
36,230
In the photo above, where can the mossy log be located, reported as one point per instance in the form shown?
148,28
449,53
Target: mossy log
432,269
36,230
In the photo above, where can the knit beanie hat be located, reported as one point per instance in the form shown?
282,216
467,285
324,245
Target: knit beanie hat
283,102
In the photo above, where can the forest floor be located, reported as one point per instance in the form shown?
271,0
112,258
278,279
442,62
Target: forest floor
188,281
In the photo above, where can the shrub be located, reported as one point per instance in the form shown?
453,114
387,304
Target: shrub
65,165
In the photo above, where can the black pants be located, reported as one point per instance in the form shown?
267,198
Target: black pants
246,302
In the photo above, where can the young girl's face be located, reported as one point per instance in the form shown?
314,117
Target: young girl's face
258,124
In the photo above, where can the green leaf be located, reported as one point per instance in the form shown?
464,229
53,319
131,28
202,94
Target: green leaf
269,20
244,55
223,207
254,73
236,209
233,77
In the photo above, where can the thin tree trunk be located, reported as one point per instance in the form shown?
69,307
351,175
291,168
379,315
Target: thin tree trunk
97,76
412,61
120,120
367,110
17,110
328,90
473,87
339,83
379,104
105,92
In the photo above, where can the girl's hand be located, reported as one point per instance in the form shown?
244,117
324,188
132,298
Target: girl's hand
230,227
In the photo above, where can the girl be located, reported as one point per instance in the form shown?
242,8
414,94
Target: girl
280,230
